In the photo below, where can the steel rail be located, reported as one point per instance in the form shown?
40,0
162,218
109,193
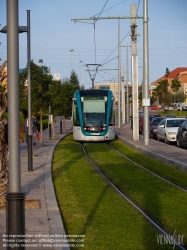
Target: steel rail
160,177
131,202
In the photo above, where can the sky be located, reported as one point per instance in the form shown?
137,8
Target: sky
54,35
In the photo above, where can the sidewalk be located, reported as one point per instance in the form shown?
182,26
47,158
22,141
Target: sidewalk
42,216
169,154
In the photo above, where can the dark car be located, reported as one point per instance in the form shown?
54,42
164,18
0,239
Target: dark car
131,120
182,135
141,120
153,126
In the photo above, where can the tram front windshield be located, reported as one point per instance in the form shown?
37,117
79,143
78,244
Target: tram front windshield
94,110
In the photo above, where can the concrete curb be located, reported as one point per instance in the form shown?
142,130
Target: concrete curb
154,155
54,217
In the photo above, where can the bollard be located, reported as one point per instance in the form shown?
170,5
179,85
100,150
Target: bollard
60,127
64,124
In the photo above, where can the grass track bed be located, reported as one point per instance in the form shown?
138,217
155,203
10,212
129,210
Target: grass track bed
90,206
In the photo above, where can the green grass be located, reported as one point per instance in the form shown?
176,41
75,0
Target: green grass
89,206
176,113
163,202
167,171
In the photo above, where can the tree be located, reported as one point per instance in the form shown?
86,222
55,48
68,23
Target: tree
40,82
69,86
175,85
61,94
4,177
2,75
167,72
40,61
162,91
74,81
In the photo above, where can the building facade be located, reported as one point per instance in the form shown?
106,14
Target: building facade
179,74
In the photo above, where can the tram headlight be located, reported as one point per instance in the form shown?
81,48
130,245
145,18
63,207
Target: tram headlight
102,128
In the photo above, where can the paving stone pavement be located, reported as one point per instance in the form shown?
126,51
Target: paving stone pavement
42,216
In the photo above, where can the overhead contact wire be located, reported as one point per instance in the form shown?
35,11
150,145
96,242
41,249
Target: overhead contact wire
94,28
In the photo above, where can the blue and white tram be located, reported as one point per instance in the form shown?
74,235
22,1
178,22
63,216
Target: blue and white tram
93,115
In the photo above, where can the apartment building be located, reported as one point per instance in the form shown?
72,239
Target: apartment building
179,74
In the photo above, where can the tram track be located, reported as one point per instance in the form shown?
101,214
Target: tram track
142,167
138,208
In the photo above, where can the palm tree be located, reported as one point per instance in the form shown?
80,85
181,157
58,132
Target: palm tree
162,90
167,72
175,85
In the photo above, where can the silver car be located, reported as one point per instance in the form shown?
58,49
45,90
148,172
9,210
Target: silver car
168,128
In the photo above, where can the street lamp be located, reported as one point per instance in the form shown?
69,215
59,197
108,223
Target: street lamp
22,29
71,50
15,209
80,70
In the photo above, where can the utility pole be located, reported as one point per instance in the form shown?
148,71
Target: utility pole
134,73
127,62
119,77
127,79
145,90
122,95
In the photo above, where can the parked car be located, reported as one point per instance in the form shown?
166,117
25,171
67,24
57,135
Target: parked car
153,126
141,120
182,135
183,108
168,128
131,120
168,108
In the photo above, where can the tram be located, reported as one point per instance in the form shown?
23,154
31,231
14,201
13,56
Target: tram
93,115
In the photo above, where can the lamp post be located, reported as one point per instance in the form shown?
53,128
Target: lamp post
71,50
30,134
22,29
80,70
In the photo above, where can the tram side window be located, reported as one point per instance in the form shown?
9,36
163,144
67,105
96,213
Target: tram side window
76,121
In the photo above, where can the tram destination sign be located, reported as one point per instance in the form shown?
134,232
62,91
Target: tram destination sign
91,98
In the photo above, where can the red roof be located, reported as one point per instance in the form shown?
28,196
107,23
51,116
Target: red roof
174,73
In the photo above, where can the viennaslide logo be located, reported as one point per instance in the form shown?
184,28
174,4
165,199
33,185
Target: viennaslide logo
168,239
